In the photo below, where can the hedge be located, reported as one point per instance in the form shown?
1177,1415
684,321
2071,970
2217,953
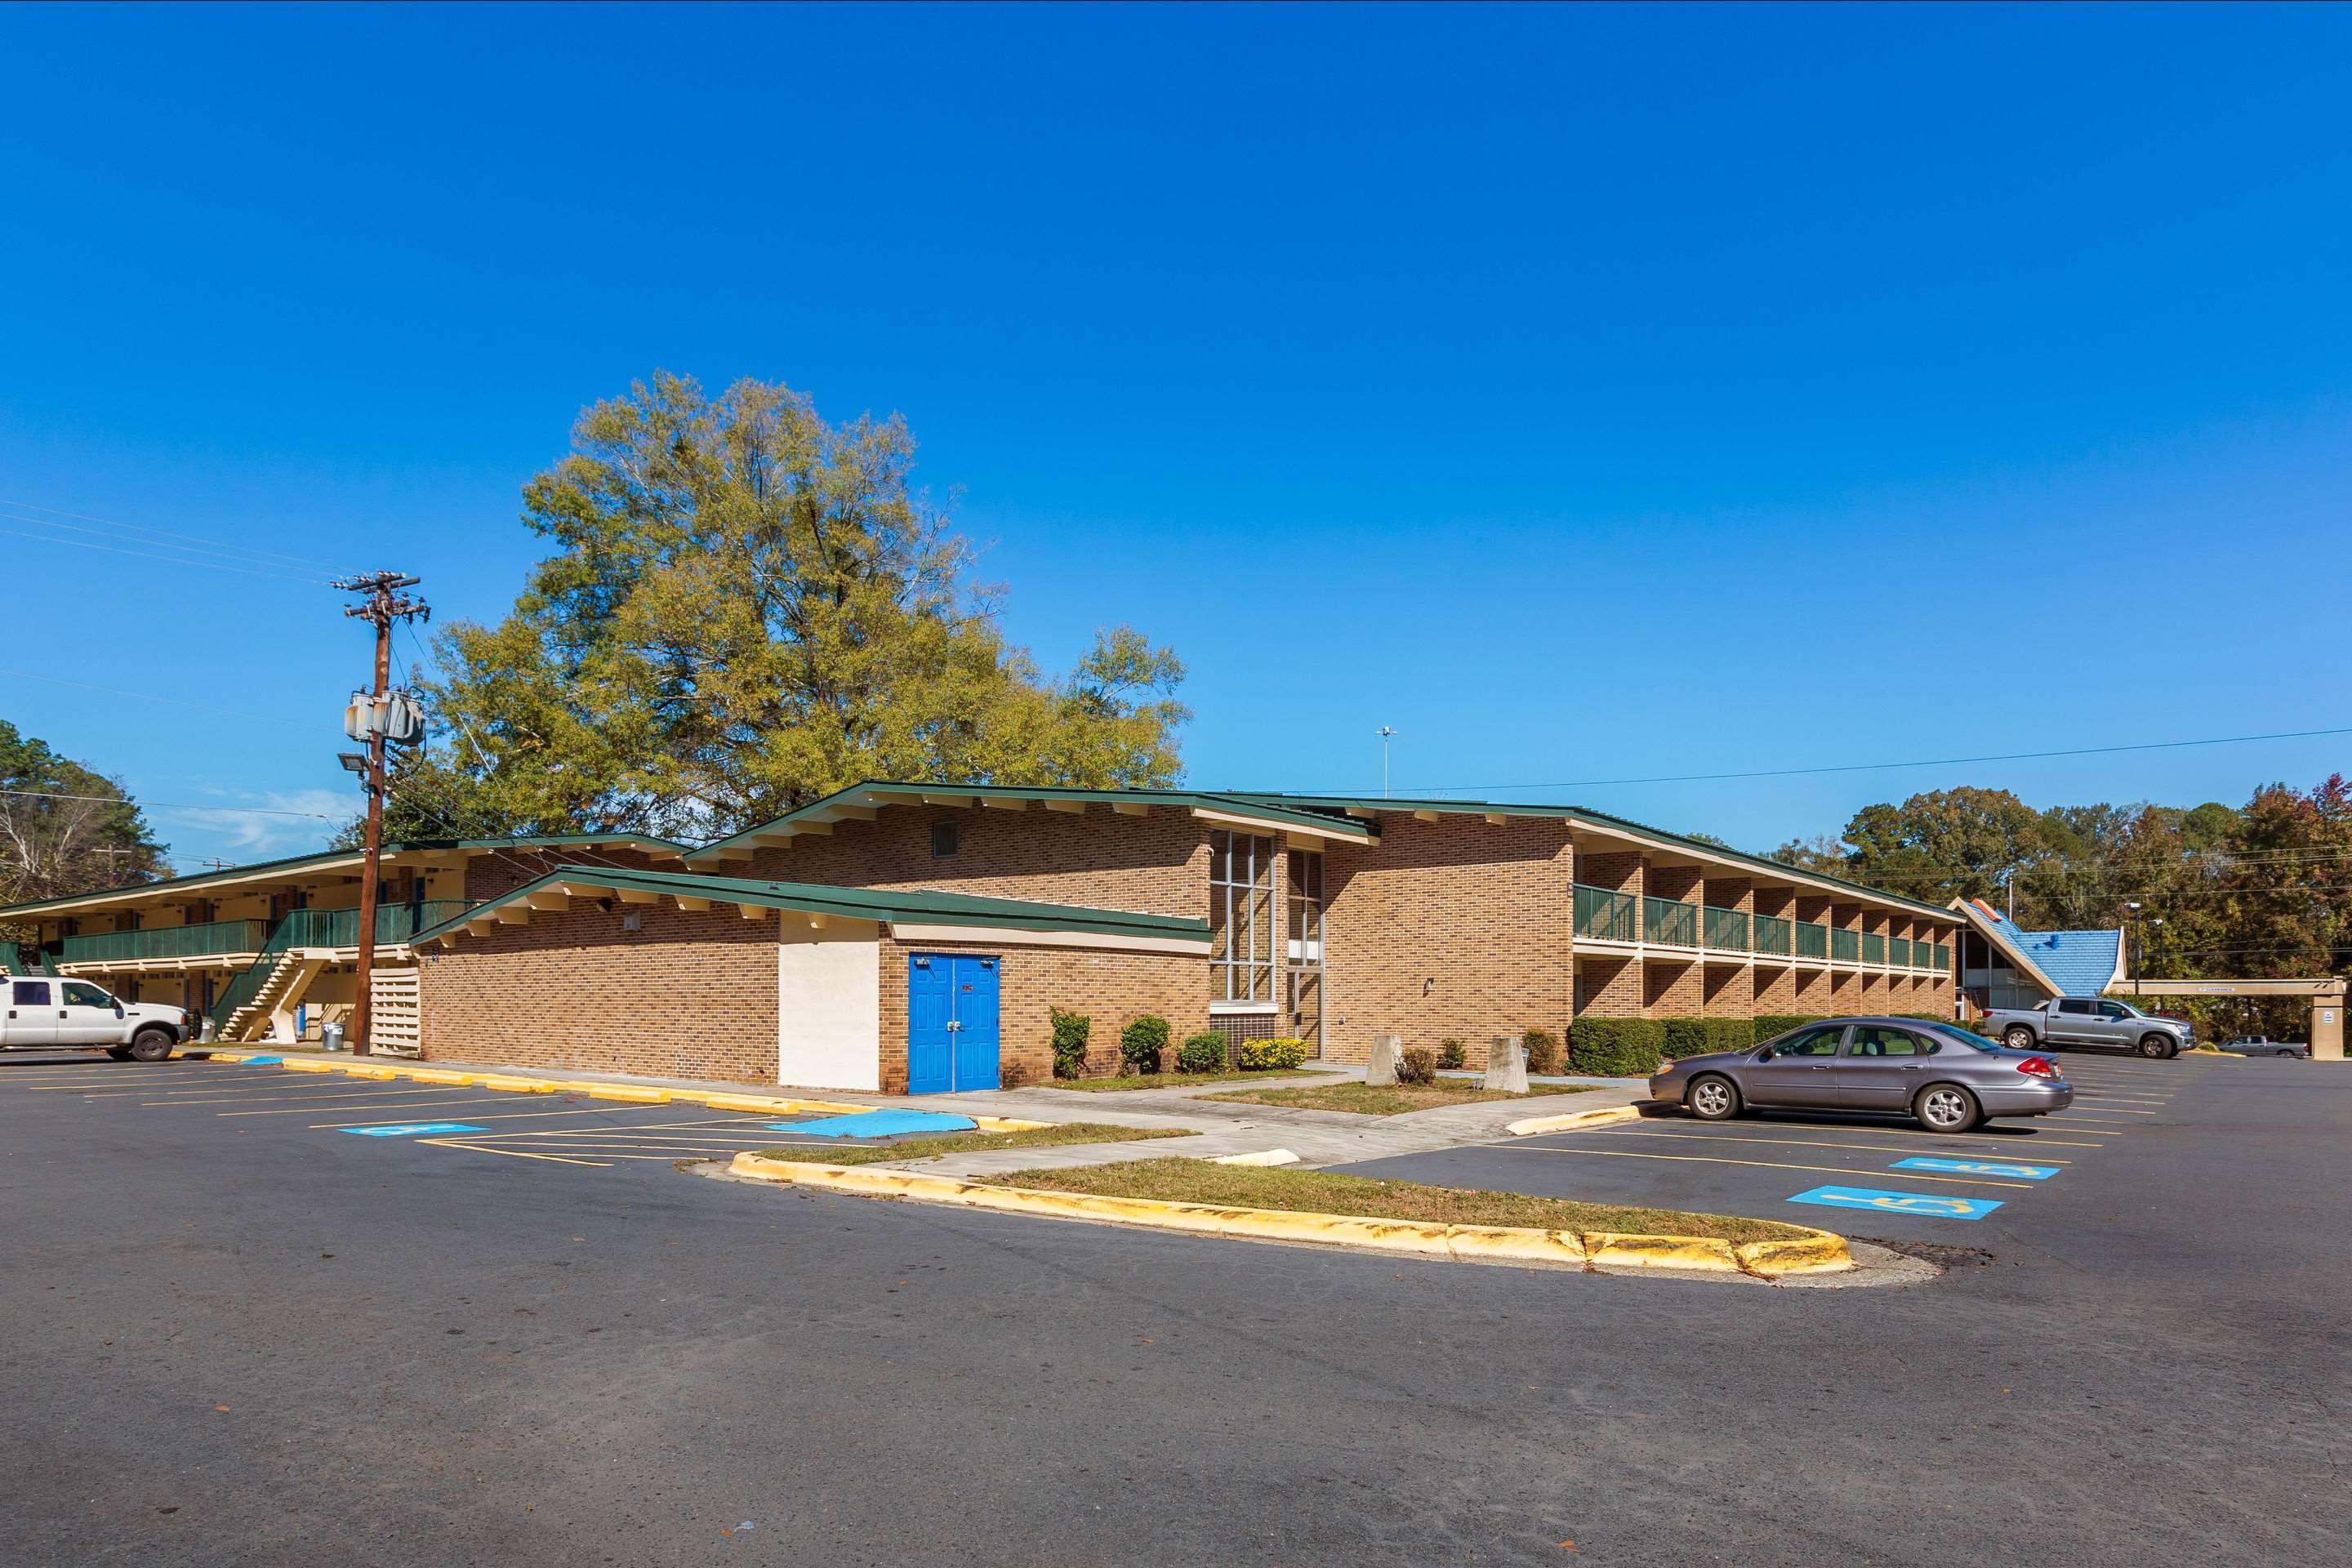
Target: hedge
1204,1052
1142,1042
1258,1055
1616,1047
1070,1031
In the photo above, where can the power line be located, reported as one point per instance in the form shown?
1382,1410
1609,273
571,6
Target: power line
166,805
151,697
141,528
151,556
248,558
1430,792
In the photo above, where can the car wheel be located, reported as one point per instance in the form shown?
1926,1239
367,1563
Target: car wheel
151,1045
1712,1098
1947,1108
2020,1038
2155,1048
119,1053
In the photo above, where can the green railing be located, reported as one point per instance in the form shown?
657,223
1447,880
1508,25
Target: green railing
1727,930
1874,947
1670,922
1898,952
1944,957
1605,915
330,928
1845,946
1813,938
211,937
1769,933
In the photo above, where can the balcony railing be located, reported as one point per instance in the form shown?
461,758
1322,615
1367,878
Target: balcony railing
331,928
1812,939
1727,930
1874,947
1670,922
1845,946
207,940
1898,952
1768,933
1603,914
1944,957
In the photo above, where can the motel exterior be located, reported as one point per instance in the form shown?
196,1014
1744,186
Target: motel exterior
913,936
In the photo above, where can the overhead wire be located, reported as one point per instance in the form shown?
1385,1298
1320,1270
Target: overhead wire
135,529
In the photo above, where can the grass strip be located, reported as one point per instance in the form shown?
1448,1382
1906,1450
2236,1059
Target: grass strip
973,1143
1366,1101
1327,1191
1173,1079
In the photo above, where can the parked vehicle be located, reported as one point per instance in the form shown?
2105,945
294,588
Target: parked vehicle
2068,1022
1946,1077
44,1015
2256,1046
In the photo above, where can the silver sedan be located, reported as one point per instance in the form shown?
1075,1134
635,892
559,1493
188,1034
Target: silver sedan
1946,1077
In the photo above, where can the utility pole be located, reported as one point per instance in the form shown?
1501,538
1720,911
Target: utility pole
1387,735
383,604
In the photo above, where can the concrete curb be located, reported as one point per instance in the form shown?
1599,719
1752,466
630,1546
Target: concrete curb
624,1093
1530,1126
1817,1252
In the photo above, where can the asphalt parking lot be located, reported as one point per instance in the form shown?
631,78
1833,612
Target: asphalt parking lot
1881,1177
267,1339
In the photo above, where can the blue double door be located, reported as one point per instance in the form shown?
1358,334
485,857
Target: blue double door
951,1034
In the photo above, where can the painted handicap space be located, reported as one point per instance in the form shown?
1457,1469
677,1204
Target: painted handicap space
878,1125
411,1128
1977,1168
1929,1205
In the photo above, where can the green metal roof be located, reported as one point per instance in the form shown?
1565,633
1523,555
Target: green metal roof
1584,814
1208,800
912,906
321,860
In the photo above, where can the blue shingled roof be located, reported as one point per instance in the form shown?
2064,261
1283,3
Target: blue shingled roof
2079,962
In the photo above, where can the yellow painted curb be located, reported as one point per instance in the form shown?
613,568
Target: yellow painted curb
303,1064
369,1070
1819,1251
772,1105
1004,1123
629,1092
441,1075
1262,1157
1532,1125
516,1085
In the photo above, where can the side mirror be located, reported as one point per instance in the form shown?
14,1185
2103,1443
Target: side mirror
1764,1055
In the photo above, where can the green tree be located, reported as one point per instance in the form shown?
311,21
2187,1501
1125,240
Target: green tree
64,828
747,608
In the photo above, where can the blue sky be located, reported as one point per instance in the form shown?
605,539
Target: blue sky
1588,394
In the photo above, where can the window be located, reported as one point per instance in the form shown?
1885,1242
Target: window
1240,917
79,994
946,840
1813,1043
1872,1040
30,994
2077,1009
2114,1010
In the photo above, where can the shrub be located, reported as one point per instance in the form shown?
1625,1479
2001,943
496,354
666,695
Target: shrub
1142,1042
1680,1038
1204,1052
1070,1032
1771,1025
1616,1047
1730,1034
1451,1055
1258,1055
1417,1065
1543,1052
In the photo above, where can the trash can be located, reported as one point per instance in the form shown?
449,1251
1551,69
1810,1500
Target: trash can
207,1031
332,1037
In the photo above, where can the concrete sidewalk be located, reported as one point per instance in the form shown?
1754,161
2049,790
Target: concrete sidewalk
1224,1127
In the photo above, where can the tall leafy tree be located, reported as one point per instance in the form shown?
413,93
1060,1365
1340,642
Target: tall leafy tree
748,607
64,828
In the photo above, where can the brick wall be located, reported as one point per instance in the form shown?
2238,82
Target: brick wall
1775,991
1811,993
1454,928
1155,864
1609,987
1674,990
689,995
1111,988
1727,992
1619,873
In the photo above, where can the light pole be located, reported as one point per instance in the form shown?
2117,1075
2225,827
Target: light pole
1387,735
2139,924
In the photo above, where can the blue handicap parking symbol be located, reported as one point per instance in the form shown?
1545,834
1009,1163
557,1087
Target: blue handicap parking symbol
411,1128
878,1125
1978,1168
1931,1204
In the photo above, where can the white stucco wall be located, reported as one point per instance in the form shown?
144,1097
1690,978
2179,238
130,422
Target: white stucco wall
829,1014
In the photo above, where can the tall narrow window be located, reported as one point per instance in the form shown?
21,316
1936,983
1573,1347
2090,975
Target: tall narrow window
1305,946
1240,917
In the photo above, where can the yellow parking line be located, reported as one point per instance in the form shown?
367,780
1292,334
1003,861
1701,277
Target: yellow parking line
353,1105
503,1116
1824,1144
324,1091
1762,1164
512,1153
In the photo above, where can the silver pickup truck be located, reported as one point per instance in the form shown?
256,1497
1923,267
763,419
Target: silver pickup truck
52,1014
2092,1021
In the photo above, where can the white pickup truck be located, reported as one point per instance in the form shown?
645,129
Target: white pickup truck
46,1013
